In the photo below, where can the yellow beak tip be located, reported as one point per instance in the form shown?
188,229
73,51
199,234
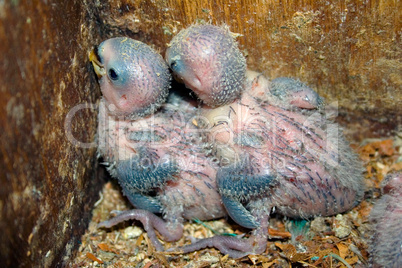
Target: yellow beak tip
98,66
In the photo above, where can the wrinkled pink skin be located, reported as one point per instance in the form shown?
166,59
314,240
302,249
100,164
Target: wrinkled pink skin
260,88
295,148
386,219
312,168
309,179
193,193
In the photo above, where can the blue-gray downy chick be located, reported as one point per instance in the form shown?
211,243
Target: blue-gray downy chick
275,146
149,146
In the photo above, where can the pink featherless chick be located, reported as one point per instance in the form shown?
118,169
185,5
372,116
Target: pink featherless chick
150,146
276,148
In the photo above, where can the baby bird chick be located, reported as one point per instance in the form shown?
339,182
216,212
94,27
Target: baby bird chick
133,78
156,156
275,149
217,75
386,219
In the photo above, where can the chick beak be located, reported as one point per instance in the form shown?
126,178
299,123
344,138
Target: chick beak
98,66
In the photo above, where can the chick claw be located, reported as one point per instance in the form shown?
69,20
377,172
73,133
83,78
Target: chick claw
151,222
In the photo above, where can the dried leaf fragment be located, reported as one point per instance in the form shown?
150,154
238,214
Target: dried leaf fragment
107,248
291,253
92,257
343,250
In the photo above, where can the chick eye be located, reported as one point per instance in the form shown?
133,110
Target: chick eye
173,65
113,75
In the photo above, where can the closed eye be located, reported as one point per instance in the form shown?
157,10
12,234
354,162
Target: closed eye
173,65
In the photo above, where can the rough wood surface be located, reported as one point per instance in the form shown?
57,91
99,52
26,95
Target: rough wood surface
48,180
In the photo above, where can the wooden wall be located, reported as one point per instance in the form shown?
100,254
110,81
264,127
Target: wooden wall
48,181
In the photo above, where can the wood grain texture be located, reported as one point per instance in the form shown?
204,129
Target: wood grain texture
48,181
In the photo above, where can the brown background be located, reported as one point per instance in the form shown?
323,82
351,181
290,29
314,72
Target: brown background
349,51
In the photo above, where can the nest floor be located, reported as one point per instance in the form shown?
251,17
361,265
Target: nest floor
337,241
